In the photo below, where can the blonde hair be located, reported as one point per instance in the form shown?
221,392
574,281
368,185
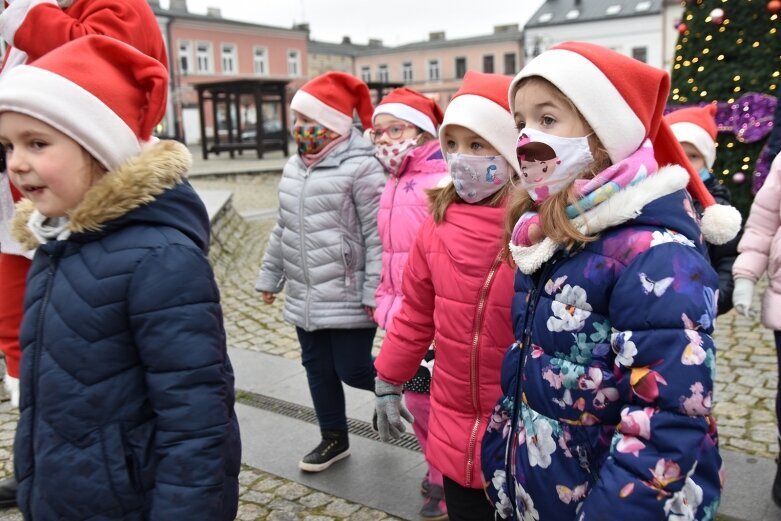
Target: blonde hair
439,199
553,211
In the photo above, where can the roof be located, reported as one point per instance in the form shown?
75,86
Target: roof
339,49
505,36
180,15
560,12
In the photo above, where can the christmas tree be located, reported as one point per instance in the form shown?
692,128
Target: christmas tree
729,51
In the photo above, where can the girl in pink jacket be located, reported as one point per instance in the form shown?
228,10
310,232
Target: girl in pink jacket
457,289
760,252
404,128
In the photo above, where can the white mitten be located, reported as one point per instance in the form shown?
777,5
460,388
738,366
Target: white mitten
12,386
742,296
13,17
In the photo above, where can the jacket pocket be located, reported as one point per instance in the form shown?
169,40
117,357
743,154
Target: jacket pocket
122,467
348,261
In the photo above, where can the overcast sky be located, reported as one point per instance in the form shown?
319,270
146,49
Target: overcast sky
393,21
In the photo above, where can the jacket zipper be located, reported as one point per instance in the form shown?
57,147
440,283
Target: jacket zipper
301,220
37,352
473,369
525,344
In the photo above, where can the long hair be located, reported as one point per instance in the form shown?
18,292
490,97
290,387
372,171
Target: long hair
441,197
553,211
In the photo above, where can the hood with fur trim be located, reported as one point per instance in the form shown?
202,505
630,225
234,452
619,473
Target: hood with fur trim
631,204
148,189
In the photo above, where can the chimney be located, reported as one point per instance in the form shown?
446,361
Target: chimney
214,12
510,28
346,40
374,43
154,3
436,36
180,6
301,27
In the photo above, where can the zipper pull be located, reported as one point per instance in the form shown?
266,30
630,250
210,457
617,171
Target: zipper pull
583,458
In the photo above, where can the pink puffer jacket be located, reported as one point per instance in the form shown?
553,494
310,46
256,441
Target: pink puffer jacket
458,292
760,247
403,208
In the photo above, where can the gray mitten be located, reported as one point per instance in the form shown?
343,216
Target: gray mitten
390,410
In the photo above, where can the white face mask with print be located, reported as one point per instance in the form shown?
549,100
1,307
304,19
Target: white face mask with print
477,177
550,163
391,155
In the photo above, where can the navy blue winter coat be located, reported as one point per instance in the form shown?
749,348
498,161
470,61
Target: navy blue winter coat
127,392
606,413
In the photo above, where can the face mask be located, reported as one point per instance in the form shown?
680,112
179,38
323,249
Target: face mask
392,154
477,177
704,173
310,138
550,163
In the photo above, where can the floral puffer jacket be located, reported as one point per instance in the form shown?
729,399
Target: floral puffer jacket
606,413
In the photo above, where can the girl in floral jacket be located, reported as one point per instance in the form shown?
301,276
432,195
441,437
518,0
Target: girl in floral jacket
606,412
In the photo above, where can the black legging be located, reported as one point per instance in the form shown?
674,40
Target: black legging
466,504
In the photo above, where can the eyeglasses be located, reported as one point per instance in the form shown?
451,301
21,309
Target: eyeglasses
393,132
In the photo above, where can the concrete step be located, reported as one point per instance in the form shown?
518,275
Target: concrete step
386,477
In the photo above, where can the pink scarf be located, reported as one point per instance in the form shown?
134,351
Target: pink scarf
311,159
633,169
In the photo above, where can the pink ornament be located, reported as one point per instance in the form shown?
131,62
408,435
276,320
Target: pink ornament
682,28
774,6
738,178
717,16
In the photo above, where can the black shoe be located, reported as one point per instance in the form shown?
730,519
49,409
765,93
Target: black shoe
777,485
333,447
8,492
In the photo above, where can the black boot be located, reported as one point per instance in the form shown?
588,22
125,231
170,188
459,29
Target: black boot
8,492
333,447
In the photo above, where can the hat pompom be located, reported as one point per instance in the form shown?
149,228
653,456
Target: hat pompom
720,223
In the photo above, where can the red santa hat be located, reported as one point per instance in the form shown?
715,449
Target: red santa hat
481,106
331,98
411,106
109,106
696,125
623,101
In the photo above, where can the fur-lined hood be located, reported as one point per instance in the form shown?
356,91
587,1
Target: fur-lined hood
137,183
622,207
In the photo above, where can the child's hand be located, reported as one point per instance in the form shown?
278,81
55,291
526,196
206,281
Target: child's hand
369,311
268,297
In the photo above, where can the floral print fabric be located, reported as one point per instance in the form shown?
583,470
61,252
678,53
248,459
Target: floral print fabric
606,412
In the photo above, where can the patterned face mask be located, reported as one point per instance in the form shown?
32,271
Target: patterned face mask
310,138
477,177
550,163
392,154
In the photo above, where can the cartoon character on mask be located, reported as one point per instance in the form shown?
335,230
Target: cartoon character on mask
538,163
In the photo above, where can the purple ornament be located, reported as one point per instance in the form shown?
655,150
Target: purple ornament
750,119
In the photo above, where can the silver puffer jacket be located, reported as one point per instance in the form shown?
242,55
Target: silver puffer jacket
325,244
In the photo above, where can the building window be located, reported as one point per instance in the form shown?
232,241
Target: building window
406,72
294,63
545,17
643,6
229,59
460,67
640,53
260,58
433,70
382,74
613,9
366,73
488,63
185,57
572,14
203,57
509,63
